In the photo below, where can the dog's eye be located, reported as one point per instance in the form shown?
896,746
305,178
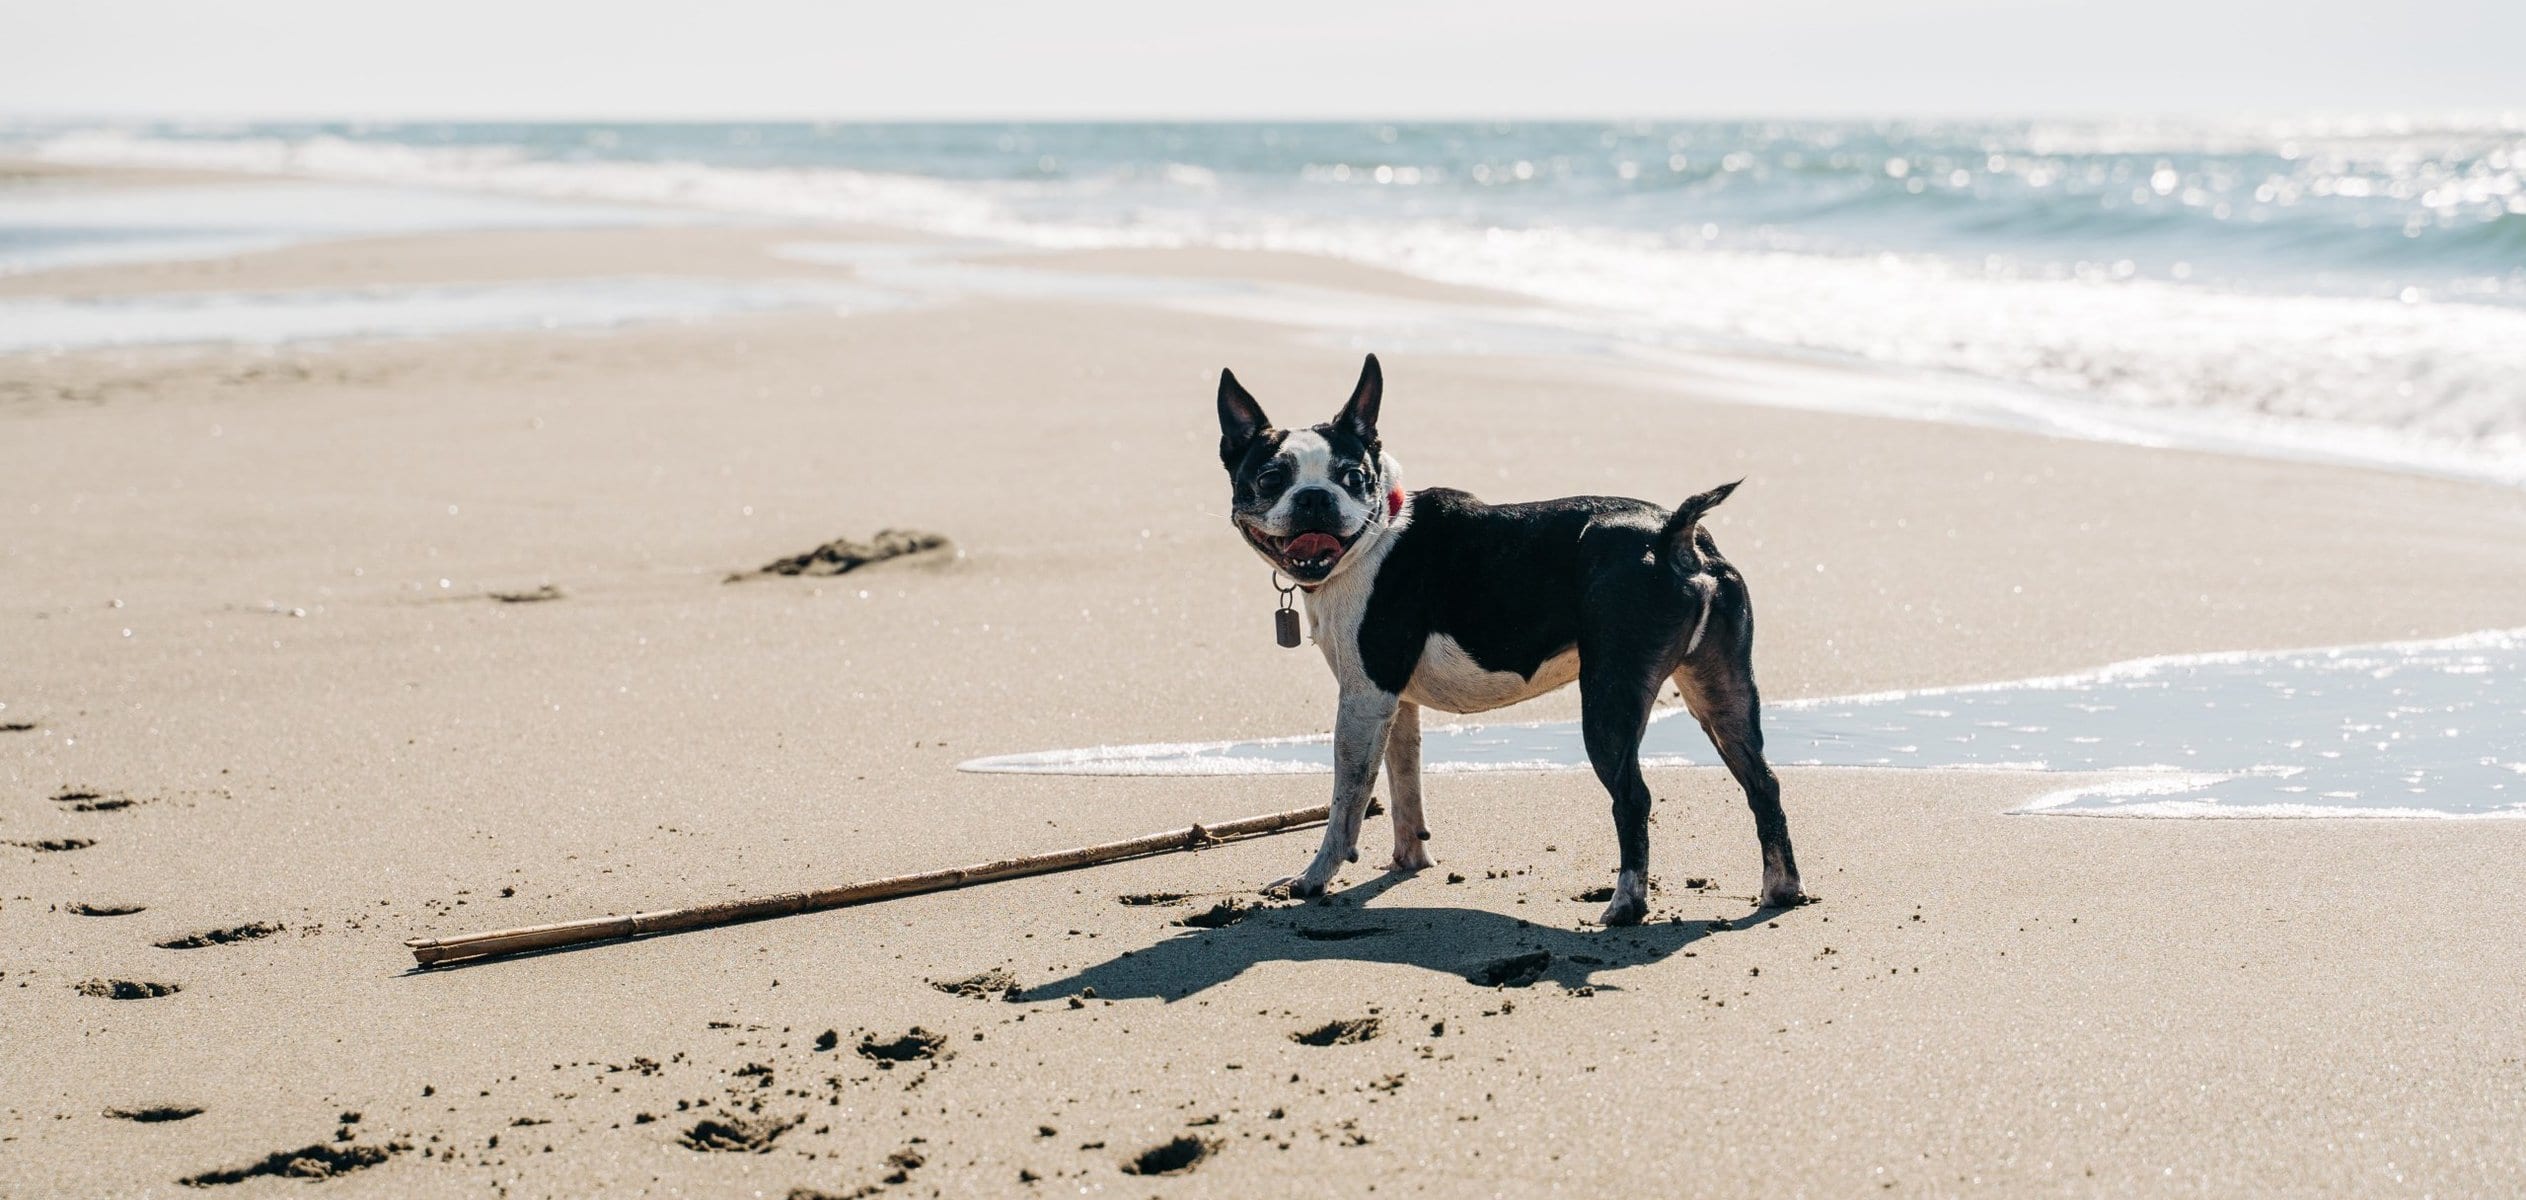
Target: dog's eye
1352,479
1271,479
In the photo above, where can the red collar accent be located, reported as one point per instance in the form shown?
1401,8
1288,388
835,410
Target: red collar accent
1394,508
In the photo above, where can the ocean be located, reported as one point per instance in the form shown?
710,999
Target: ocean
2352,285
2400,730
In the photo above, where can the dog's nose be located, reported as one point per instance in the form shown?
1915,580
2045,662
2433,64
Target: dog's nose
1313,504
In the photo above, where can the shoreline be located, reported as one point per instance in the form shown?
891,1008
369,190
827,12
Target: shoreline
1535,319
253,596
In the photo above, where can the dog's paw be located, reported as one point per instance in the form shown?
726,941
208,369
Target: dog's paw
1294,887
1412,857
1780,888
1625,910
1631,900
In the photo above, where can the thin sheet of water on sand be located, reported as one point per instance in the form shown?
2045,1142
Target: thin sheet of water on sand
74,225
45,324
2411,729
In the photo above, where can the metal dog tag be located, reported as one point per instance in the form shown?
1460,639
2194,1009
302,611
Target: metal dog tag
1285,624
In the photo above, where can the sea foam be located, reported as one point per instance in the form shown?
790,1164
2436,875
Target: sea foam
2350,290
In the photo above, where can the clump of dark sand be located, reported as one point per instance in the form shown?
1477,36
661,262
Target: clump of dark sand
1140,899
1173,1157
319,1161
843,555
127,989
1517,970
53,845
902,1163
918,1044
994,982
733,1134
220,937
1340,1033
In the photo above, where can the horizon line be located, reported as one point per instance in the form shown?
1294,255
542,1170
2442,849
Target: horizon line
2507,117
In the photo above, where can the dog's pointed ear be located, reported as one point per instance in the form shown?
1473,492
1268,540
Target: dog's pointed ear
1241,420
1359,415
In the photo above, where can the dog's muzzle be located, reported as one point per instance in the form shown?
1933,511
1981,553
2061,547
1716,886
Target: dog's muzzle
1308,556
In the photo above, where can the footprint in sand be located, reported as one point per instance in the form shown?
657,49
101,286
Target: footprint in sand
221,937
127,989
309,1163
104,910
843,555
1340,1033
1337,934
155,1113
916,1045
738,1134
1173,1157
1221,915
1516,970
535,595
994,982
51,845
86,801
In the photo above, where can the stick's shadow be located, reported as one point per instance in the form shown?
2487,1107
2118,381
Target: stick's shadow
1464,942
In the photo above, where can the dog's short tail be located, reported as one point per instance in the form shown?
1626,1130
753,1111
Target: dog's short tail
1676,542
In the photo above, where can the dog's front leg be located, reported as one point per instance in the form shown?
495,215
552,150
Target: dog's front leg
1359,741
1403,789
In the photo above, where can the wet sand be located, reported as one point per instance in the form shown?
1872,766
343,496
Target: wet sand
252,594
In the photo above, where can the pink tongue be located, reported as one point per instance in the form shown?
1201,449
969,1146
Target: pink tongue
1312,545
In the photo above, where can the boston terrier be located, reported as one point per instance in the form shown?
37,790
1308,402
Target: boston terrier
1436,599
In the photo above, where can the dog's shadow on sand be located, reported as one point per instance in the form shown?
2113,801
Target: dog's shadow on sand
1483,948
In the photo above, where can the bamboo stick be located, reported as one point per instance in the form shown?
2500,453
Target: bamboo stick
500,942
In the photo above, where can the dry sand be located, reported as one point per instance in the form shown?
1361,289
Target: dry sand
250,594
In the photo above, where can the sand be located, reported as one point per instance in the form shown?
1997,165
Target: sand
252,592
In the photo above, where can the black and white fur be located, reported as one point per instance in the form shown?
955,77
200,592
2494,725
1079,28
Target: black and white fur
1435,599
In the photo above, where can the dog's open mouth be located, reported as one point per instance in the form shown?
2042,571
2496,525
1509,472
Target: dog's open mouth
1306,557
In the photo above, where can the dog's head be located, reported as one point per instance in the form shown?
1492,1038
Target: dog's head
1306,499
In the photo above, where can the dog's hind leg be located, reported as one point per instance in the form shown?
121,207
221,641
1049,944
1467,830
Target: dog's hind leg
1615,692
1403,779
1359,741
1717,679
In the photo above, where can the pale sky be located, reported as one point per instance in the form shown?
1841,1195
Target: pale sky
1278,58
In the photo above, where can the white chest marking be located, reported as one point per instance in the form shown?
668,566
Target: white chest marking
1335,610
1449,680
